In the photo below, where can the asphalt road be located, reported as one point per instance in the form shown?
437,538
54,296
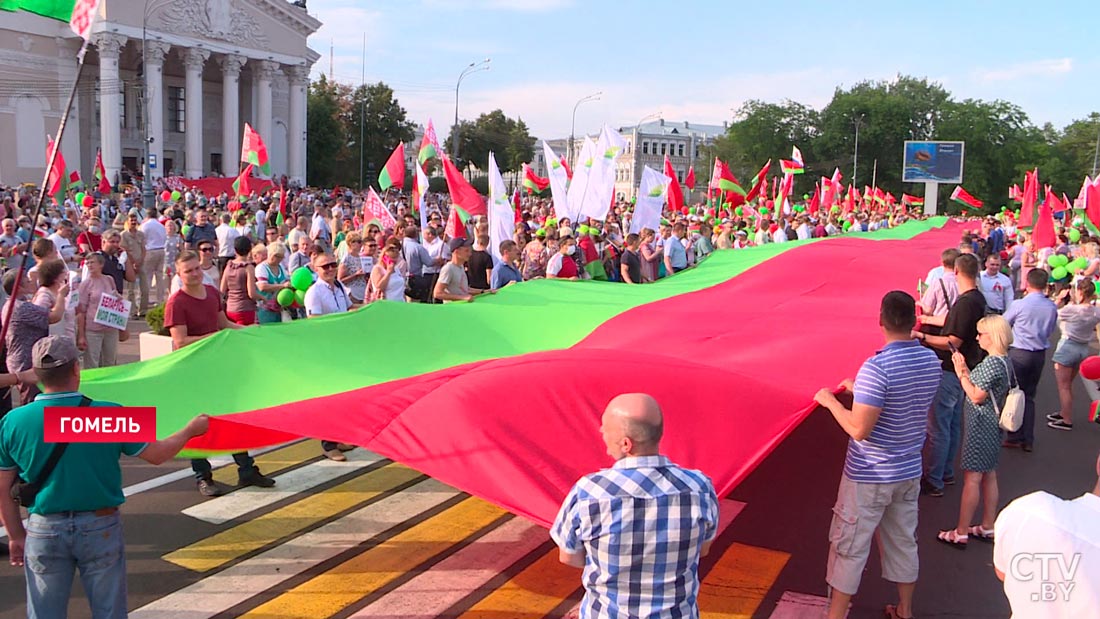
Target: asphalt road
788,508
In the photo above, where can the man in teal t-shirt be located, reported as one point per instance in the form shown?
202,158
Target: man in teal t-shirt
74,521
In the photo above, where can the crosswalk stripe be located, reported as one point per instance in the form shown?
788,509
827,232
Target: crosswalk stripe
226,546
739,581
431,593
238,583
364,574
545,584
247,500
274,461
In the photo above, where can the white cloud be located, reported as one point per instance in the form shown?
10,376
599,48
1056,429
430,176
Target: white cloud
1037,68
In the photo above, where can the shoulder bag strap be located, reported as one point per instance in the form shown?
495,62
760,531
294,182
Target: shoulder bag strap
58,451
946,297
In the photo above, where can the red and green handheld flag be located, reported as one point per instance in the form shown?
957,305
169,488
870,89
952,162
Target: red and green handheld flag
1028,198
75,182
689,180
464,198
962,197
55,185
282,205
254,152
675,192
393,175
533,182
759,181
242,186
429,145
100,174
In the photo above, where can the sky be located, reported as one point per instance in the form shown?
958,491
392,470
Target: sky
699,60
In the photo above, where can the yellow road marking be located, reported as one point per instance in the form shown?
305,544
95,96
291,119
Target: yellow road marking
739,581
358,577
273,461
532,593
221,548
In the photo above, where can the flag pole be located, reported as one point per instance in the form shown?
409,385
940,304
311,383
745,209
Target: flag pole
42,190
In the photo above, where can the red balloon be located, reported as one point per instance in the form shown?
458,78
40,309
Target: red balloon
684,210
87,202
166,196
1090,368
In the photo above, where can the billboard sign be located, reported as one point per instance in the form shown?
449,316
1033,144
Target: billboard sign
933,162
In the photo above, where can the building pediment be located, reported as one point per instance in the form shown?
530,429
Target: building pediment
257,24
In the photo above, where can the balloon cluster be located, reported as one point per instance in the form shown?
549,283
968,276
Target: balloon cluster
84,200
170,196
301,279
1061,267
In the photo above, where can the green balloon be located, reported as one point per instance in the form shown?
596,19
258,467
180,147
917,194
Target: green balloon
285,298
301,279
1098,287
1059,273
176,195
1074,235
847,225
1052,260
763,210
739,211
835,209
80,198
1080,263
300,297
1063,260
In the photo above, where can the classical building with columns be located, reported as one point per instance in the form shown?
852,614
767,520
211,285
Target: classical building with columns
173,79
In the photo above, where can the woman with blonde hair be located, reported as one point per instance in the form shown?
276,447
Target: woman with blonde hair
1077,320
271,278
986,387
351,272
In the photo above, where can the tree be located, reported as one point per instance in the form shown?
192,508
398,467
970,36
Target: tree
508,139
326,144
373,115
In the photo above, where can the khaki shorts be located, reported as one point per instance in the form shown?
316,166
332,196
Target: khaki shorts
861,510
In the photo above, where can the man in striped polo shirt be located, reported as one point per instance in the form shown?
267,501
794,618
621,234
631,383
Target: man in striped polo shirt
881,480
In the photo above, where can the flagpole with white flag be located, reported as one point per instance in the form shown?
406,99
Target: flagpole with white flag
84,14
501,216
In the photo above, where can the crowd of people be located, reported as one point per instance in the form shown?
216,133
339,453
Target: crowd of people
982,325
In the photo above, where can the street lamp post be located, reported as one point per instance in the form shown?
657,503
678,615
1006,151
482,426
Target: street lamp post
473,67
855,157
573,126
637,153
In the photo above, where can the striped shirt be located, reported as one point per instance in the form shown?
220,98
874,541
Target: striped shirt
642,524
901,379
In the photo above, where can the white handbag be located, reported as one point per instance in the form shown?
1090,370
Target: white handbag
1011,415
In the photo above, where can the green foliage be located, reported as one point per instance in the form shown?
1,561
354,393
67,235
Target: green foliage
437,184
155,319
508,139
335,116
1001,142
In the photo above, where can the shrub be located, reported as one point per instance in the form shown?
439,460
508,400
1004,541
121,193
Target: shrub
155,319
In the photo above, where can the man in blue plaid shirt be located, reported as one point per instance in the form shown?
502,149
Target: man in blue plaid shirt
640,527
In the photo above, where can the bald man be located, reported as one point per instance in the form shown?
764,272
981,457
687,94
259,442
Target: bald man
617,523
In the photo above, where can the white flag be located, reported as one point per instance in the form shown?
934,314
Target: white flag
602,183
501,217
651,201
580,186
559,181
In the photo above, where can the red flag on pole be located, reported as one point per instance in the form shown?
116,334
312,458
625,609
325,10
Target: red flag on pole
242,186
1043,232
675,192
463,196
55,186
393,174
1029,198
689,180
100,174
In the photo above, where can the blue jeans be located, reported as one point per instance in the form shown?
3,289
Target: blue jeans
59,544
944,430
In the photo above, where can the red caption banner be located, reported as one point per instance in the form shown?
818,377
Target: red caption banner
86,424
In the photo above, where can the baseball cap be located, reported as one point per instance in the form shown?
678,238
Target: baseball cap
53,352
457,244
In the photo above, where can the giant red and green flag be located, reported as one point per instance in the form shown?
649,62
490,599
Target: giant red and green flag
429,145
429,411
393,174
465,200
254,152
56,181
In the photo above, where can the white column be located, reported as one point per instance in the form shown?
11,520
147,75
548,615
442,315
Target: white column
110,124
231,121
296,128
154,102
264,71
193,60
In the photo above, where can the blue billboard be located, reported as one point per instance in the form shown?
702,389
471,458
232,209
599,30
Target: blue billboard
933,162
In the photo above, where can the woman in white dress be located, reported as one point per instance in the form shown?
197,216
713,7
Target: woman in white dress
387,279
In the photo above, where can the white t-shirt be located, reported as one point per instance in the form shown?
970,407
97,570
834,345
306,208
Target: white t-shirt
1040,530
227,235
803,232
155,234
177,283
65,248
780,236
321,299
435,251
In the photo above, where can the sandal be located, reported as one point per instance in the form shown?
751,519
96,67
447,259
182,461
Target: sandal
953,539
892,613
980,533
